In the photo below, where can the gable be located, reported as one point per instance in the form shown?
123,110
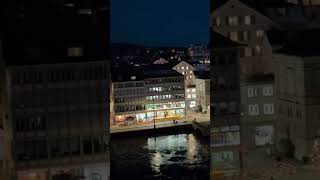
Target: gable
237,8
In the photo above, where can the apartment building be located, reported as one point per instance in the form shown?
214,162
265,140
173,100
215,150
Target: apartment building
297,88
202,83
258,111
143,94
187,70
241,23
225,106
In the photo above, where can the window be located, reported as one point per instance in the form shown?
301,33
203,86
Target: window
188,90
183,72
190,72
182,67
268,108
218,21
233,21
268,91
189,96
253,110
252,92
234,36
193,90
187,67
194,96
133,77
258,49
259,33
75,51
247,52
247,20
192,104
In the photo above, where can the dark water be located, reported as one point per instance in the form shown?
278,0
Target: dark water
169,157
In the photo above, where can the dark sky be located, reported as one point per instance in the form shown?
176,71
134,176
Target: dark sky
160,22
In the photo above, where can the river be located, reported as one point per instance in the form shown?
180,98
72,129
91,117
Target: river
165,157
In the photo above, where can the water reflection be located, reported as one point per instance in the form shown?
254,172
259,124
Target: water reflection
162,157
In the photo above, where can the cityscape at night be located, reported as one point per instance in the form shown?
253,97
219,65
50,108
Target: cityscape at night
159,90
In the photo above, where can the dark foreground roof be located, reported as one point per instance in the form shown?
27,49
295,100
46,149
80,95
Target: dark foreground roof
219,41
303,43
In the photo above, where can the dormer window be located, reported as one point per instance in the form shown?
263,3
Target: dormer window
75,51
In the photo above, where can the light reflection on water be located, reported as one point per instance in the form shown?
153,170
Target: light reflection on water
162,157
174,149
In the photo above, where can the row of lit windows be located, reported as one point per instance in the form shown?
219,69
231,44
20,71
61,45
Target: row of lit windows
235,20
164,97
244,35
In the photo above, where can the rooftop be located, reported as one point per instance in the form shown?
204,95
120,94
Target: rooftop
302,43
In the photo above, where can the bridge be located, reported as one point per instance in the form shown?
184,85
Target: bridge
202,127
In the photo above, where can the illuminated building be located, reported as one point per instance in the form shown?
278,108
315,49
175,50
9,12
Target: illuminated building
147,94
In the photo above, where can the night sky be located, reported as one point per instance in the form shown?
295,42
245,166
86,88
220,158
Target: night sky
160,22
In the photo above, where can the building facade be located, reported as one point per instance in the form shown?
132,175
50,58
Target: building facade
225,111
297,88
187,71
156,95
59,115
202,83
57,88
191,97
243,24
258,111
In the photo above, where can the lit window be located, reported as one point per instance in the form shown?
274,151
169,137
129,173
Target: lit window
253,110
75,51
190,77
178,68
247,20
189,96
182,67
188,90
194,96
268,108
193,90
218,21
187,67
267,91
191,72
233,21
183,72
234,36
258,49
133,77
